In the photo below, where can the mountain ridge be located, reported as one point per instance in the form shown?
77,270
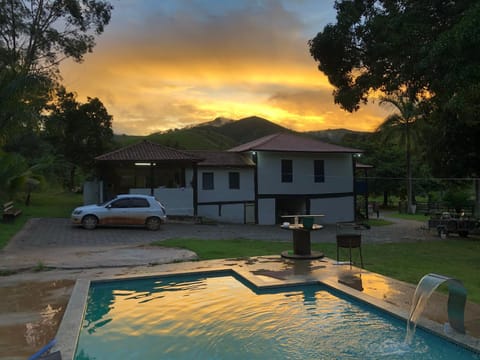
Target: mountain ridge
224,133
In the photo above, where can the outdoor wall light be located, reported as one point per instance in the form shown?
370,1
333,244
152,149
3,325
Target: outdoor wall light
144,164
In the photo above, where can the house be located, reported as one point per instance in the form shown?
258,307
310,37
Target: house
300,175
256,182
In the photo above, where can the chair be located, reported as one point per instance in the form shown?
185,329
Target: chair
349,237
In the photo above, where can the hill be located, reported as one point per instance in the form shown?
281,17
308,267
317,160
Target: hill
222,134
247,129
335,136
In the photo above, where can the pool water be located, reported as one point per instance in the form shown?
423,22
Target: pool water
220,317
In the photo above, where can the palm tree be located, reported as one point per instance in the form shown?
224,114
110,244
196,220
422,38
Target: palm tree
16,175
401,128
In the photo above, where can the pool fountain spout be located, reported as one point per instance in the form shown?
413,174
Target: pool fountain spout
457,298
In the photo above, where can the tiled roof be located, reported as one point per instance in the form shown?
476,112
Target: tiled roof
147,151
292,143
222,158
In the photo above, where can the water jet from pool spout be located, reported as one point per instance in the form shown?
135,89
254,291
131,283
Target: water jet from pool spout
457,299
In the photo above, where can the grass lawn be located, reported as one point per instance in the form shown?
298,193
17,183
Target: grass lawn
47,204
409,262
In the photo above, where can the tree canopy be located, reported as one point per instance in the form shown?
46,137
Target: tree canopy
35,36
78,131
427,49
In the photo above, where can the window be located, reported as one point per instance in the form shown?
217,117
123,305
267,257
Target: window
319,171
139,203
287,171
234,180
207,181
121,203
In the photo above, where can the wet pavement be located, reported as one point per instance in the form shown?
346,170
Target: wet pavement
33,303
30,312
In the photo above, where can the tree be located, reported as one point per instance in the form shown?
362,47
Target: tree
20,109
401,128
16,174
78,131
35,36
386,161
429,49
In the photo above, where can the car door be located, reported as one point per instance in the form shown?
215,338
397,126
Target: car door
117,212
140,211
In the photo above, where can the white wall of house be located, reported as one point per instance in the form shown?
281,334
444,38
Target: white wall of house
266,211
338,180
222,203
221,191
177,201
92,192
228,213
338,173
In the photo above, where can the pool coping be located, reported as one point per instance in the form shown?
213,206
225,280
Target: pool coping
70,326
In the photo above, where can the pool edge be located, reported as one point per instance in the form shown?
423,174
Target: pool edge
69,329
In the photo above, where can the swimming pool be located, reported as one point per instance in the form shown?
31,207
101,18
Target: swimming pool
220,316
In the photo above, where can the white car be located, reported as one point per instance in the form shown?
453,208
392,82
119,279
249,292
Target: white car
128,209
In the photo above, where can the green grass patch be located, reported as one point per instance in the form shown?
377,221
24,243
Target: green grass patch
48,204
407,262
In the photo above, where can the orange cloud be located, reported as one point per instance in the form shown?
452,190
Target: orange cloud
172,65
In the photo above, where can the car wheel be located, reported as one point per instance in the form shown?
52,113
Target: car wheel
89,222
153,223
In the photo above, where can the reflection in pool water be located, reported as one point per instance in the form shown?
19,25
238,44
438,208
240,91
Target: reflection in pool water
220,317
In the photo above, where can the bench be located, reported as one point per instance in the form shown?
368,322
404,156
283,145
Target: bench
9,212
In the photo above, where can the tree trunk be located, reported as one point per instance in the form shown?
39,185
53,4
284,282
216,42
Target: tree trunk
409,173
477,197
72,177
385,199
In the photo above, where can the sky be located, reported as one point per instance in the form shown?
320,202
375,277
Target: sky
164,64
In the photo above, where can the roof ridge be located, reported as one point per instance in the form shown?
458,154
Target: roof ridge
119,149
145,146
256,142
268,138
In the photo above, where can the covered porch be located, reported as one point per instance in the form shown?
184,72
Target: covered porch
151,169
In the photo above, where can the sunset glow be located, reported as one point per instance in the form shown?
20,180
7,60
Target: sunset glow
169,64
